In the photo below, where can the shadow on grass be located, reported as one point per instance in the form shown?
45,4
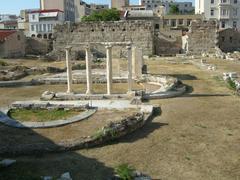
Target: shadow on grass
190,90
181,76
31,165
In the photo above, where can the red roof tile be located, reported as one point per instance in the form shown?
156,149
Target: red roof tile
46,11
5,33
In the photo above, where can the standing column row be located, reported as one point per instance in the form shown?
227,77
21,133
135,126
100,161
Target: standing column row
69,69
109,69
129,54
88,70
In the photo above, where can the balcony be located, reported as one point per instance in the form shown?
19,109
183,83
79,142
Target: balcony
224,3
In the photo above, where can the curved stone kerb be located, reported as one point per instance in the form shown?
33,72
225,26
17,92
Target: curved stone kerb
5,119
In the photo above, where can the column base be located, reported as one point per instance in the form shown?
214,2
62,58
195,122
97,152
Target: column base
89,93
131,93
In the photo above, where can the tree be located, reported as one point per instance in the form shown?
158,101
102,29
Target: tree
105,15
174,9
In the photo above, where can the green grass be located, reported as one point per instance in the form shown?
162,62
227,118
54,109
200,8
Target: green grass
41,115
125,171
231,84
3,63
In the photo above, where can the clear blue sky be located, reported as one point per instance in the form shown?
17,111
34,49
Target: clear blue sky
14,6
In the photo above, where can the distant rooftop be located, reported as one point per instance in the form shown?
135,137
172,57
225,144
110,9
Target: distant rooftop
5,33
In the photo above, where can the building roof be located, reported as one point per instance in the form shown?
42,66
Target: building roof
183,16
140,13
5,33
46,11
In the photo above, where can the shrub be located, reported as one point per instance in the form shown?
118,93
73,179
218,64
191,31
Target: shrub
105,15
231,84
125,171
2,63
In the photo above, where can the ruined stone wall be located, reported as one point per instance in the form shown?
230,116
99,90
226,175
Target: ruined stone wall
229,40
141,33
36,46
202,37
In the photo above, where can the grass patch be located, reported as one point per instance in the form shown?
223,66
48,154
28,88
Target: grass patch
125,171
3,63
231,84
41,115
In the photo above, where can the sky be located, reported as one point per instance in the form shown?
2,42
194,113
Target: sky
14,6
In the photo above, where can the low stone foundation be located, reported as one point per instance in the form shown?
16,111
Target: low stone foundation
112,131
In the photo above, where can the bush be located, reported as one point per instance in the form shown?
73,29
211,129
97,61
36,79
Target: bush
231,84
2,63
105,15
125,171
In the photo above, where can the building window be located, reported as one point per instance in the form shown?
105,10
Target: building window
223,24
212,1
19,37
44,27
33,16
48,27
37,27
40,27
231,39
235,12
212,12
32,27
234,24
223,38
235,1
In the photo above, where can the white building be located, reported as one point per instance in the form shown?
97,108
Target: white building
227,12
41,22
184,7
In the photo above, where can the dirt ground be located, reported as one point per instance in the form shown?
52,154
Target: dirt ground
196,137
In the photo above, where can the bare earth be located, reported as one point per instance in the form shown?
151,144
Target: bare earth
196,137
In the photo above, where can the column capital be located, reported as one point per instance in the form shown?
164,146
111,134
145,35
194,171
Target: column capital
128,47
108,46
68,48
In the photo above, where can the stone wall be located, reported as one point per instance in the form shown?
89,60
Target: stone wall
139,32
202,37
229,40
36,46
13,46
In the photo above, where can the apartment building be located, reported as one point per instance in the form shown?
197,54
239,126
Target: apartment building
8,21
67,6
119,4
227,12
184,7
41,22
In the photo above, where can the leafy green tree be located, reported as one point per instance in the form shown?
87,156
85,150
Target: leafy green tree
105,15
174,9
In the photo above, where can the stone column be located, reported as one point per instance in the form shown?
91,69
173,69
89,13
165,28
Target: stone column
177,22
88,70
184,22
134,61
69,69
129,48
109,69
140,62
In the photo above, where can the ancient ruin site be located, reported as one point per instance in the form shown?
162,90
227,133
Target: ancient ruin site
125,99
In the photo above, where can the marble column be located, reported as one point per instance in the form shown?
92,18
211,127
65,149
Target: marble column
69,69
129,52
140,62
134,62
109,69
88,70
